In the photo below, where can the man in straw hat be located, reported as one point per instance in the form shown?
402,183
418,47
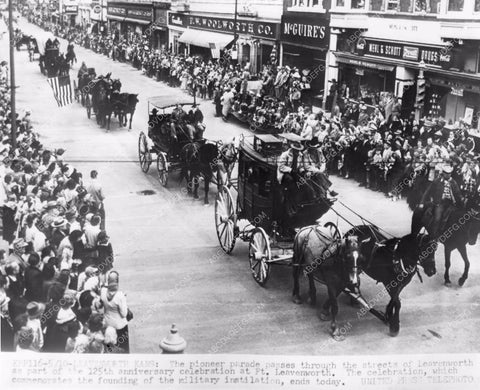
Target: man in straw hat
443,194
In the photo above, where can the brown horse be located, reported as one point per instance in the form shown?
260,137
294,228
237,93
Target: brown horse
331,260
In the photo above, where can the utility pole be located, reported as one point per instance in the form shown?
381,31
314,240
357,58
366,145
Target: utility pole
12,76
234,48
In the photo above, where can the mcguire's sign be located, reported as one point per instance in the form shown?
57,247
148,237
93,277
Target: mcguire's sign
243,26
428,54
305,28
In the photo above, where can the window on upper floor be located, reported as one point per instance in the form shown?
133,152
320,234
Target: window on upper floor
477,5
340,3
455,5
307,3
358,4
407,6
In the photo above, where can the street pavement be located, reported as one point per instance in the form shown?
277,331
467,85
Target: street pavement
173,270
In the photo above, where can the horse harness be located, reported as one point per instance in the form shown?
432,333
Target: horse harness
333,246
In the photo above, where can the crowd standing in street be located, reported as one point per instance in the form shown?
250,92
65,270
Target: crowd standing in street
58,289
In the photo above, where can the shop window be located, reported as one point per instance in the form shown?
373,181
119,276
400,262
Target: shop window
455,5
407,5
358,4
434,6
477,5
393,5
340,3
376,5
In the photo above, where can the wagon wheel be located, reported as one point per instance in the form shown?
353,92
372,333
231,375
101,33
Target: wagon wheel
162,168
333,230
259,255
225,219
144,156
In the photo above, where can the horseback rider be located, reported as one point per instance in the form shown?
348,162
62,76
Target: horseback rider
444,194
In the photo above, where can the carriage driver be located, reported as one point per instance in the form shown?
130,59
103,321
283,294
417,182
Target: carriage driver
288,174
444,193
314,164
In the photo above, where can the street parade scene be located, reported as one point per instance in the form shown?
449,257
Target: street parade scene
275,178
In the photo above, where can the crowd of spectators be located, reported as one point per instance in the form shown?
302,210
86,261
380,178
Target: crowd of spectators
58,289
373,142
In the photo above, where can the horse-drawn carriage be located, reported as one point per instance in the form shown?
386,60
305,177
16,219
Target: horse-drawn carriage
102,97
175,144
253,209
260,200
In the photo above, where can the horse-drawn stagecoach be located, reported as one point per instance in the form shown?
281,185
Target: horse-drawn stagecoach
252,208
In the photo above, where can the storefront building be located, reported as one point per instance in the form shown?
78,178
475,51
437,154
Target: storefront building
83,18
304,42
69,11
126,19
159,35
376,54
98,16
208,36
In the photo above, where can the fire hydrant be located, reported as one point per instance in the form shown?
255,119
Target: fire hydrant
173,343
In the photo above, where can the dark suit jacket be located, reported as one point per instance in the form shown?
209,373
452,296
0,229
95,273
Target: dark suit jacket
33,284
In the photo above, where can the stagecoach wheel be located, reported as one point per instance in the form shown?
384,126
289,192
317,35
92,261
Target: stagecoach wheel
162,169
225,219
259,255
333,230
144,156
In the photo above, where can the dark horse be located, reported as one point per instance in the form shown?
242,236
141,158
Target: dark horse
393,262
330,260
124,105
461,228
101,102
198,159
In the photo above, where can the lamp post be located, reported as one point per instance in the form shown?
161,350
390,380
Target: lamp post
13,113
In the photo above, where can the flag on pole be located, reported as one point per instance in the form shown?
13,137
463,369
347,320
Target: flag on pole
62,90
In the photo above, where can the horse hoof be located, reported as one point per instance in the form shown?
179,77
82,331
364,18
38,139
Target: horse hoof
448,283
297,300
337,336
324,316
195,196
394,333
312,301
462,281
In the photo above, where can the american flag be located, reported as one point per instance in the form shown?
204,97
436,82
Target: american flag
62,90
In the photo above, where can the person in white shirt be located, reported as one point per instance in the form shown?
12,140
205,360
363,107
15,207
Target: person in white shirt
91,232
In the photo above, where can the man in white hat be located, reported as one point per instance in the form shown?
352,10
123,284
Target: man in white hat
443,194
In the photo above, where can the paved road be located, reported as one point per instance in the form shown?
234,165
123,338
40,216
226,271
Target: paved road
174,272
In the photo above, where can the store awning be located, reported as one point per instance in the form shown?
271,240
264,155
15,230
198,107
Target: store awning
356,61
209,39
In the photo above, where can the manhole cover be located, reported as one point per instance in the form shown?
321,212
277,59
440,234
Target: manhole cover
146,192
